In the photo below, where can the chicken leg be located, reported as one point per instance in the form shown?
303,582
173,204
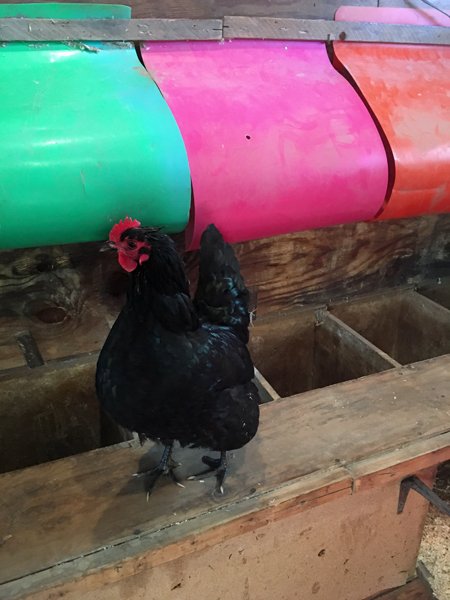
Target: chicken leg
217,467
166,466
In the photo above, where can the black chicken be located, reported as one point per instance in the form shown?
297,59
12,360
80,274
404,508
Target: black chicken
176,369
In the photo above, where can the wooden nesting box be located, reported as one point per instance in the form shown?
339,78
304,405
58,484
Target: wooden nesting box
351,345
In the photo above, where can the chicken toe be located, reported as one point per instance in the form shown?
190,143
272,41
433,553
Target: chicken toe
166,467
217,467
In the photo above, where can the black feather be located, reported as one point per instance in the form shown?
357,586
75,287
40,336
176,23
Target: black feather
221,296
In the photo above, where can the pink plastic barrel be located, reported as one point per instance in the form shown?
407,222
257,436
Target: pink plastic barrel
277,140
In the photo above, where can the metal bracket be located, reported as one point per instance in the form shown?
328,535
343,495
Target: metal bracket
416,484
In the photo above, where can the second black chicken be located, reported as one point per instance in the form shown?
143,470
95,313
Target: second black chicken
177,369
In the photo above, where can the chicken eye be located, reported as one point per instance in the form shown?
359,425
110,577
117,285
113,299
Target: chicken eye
131,245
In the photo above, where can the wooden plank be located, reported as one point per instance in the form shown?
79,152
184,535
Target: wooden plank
234,27
414,590
397,464
114,30
192,9
313,267
10,355
327,31
91,500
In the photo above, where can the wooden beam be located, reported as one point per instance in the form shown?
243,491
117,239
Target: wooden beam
112,30
393,466
120,30
328,31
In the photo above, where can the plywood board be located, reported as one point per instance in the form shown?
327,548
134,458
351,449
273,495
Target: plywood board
346,548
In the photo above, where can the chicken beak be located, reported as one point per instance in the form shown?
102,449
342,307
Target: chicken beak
107,246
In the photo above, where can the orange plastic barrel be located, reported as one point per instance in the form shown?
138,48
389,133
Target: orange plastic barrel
408,89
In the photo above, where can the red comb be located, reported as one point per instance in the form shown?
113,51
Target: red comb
120,227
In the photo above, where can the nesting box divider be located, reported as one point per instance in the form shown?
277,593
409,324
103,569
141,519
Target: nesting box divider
266,391
342,354
404,324
438,291
305,349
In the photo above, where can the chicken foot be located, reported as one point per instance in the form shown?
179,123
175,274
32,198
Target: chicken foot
217,467
166,466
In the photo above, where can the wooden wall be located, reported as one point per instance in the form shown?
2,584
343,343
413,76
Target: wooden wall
63,299
201,9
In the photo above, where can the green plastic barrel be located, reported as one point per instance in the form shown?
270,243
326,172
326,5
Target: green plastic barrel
85,138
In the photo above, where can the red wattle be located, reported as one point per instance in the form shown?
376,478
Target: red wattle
127,263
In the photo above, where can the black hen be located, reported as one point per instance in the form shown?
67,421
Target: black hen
172,369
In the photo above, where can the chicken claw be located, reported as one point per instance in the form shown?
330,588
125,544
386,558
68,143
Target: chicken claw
166,467
217,467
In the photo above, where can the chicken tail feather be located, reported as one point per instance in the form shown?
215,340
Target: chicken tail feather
222,297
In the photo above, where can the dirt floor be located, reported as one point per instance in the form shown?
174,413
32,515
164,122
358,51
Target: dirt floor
435,549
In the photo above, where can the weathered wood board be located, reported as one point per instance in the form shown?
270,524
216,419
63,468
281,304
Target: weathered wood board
91,505
325,30
66,297
33,30
115,30
296,554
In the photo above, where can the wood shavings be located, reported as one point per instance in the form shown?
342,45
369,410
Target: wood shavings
435,548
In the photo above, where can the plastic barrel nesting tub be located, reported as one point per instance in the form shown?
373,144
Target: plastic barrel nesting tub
277,140
85,138
408,89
